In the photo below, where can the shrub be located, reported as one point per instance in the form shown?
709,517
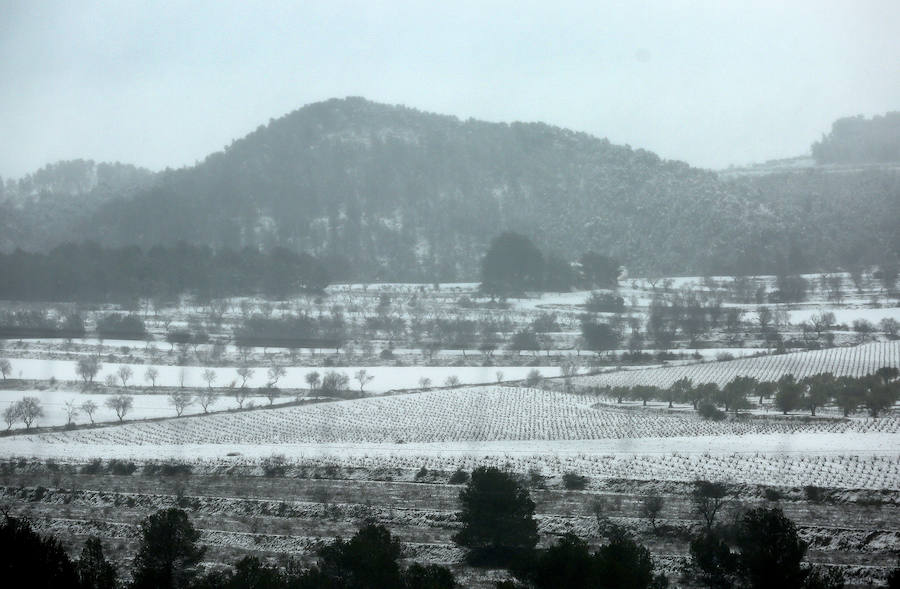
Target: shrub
814,493
710,411
95,466
120,467
459,477
114,326
574,481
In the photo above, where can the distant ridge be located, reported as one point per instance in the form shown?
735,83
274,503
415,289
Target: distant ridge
391,193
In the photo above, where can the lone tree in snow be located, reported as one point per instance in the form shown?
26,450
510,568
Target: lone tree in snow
88,368
708,499
363,377
206,399
121,404
151,375
72,412
209,375
180,400
246,373
30,410
240,395
274,374
89,407
5,368
125,373
312,379
11,414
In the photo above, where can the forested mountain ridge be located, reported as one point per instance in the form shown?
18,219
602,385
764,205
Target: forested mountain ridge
391,193
45,207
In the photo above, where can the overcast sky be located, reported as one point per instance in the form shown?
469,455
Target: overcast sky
713,83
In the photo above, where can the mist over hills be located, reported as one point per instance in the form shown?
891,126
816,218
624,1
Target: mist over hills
390,193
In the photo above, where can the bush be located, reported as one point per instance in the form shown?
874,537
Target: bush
574,481
120,467
604,302
114,326
710,411
167,469
93,467
773,495
814,493
459,477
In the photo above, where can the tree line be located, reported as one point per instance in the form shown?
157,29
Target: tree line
876,392
87,272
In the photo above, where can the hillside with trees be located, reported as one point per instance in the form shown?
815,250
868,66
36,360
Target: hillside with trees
857,140
379,192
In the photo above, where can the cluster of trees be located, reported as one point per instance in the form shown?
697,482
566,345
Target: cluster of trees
513,265
169,555
35,323
293,331
857,140
89,272
427,192
760,549
876,392
27,410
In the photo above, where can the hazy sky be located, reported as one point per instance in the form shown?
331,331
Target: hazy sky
713,83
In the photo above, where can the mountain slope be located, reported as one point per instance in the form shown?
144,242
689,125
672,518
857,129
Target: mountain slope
388,192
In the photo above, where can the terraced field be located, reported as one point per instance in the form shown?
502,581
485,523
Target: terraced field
845,361
477,414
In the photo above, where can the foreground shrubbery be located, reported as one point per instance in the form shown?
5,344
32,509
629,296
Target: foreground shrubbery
762,549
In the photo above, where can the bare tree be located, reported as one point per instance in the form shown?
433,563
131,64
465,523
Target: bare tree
88,368
312,379
499,376
708,499
651,508
5,368
209,375
424,382
206,399
89,407
11,414
274,374
151,375
240,395
125,373
30,410
451,381
72,411
110,380
272,393
246,373
121,404
180,400
363,377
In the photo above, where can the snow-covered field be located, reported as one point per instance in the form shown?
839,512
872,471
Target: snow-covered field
145,405
525,428
850,361
385,378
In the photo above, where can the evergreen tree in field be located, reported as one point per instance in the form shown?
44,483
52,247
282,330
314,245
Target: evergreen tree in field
168,553
94,571
512,265
28,559
497,517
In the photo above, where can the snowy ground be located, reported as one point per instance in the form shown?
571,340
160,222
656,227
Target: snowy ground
385,377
